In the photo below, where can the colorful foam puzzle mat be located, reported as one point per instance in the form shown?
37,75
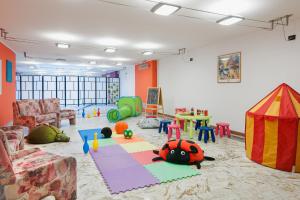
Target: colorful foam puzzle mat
126,164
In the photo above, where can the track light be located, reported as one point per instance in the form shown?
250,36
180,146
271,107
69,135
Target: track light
230,20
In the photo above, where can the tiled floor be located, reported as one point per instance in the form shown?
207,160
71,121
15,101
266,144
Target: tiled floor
231,176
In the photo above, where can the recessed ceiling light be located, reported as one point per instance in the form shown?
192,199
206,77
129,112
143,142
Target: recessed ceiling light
165,9
32,67
119,64
63,45
110,50
147,53
92,62
230,20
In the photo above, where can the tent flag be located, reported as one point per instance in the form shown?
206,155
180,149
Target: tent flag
273,130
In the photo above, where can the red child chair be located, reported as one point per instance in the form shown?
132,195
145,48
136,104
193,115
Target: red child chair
177,128
223,129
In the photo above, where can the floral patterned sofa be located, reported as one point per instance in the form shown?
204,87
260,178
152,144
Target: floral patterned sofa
32,113
34,174
53,106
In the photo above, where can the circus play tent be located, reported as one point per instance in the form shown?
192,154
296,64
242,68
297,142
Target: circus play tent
273,130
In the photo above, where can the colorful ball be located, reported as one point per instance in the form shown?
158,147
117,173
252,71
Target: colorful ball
120,127
128,134
106,132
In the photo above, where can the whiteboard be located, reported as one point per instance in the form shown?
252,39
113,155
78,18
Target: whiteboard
0,76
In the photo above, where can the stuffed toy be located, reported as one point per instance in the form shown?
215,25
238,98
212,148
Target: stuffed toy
45,134
106,132
182,152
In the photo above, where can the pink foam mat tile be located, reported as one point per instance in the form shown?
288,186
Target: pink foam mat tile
144,157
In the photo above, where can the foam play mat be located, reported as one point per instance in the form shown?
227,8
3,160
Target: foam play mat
126,164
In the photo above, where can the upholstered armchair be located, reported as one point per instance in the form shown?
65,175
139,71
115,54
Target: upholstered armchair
29,113
53,106
15,137
34,174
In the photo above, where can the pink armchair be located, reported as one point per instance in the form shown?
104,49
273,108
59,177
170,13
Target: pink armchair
29,113
53,106
34,174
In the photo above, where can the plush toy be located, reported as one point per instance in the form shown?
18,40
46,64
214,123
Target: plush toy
106,132
120,127
128,134
182,152
44,134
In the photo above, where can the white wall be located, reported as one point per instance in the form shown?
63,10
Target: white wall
127,81
267,61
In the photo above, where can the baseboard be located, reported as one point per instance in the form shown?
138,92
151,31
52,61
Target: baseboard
234,133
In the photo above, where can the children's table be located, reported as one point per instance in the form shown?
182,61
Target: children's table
187,117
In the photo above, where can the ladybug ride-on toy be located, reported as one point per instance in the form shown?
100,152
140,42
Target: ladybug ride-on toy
182,152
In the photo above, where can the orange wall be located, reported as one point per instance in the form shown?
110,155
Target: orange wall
8,94
145,78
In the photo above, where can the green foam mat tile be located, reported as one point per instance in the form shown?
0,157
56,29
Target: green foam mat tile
103,142
137,147
166,172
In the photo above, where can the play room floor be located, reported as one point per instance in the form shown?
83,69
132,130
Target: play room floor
231,176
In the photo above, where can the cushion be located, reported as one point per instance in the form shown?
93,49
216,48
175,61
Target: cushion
148,123
29,107
51,105
46,117
44,134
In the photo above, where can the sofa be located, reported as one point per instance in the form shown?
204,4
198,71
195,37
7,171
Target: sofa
15,137
31,113
53,106
33,174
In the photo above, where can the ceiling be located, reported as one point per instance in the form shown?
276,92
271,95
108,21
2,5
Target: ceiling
90,26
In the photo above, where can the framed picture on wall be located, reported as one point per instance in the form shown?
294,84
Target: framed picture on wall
0,76
9,71
229,68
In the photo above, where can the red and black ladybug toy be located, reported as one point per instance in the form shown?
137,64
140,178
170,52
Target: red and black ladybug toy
182,152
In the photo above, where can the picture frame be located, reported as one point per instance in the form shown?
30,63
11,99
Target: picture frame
9,73
229,68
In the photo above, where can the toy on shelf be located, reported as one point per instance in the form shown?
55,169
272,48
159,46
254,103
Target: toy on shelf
182,152
177,129
86,146
88,115
223,129
94,112
83,113
98,112
128,134
106,132
127,107
95,142
206,130
120,127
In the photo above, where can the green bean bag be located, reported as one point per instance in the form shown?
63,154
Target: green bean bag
45,134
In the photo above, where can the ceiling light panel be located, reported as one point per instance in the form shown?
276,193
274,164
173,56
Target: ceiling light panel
110,50
147,53
63,45
165,9
111,42
61,36
230,20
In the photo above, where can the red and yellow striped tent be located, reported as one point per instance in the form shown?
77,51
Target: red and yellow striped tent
273,130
